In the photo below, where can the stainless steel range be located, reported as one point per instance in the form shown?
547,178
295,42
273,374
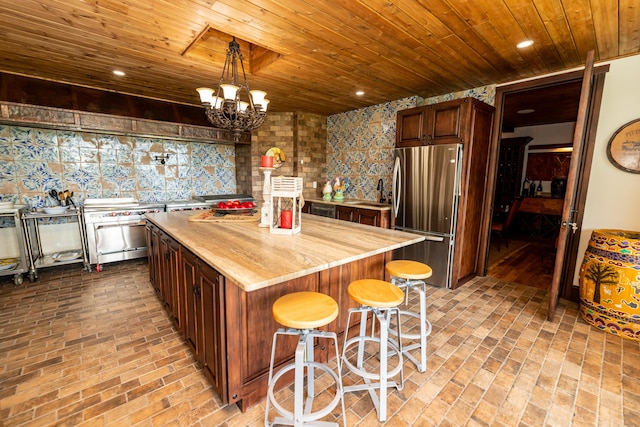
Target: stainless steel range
185,205
213,199
116,229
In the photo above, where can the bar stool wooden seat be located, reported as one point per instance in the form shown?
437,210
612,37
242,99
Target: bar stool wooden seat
301,313
381,299
410,275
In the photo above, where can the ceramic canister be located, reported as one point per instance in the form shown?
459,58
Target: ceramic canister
610,282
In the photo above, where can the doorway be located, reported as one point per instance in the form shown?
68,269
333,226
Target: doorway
530,258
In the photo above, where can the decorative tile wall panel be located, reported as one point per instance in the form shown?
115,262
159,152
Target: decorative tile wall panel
35,161
360,143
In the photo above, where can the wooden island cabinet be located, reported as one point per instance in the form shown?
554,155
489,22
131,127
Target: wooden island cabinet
229,275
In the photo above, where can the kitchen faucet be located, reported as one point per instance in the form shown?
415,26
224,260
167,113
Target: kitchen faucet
381,190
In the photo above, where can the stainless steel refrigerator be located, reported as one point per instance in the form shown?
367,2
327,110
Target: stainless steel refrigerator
426,189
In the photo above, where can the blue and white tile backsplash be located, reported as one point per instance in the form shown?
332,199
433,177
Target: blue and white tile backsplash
359,150
34,161
360,143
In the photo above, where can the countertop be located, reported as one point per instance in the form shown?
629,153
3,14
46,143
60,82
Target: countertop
254,258
355,203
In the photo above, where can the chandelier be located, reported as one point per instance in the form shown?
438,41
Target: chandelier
226,110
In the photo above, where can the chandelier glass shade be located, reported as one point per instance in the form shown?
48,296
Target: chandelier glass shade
225,109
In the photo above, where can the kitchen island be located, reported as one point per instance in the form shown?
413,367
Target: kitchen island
219,280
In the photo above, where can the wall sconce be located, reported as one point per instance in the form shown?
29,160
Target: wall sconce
161,159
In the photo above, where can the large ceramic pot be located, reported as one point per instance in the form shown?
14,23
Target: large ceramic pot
610,282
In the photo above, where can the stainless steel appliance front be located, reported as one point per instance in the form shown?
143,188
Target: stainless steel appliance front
116,230
426,188
322,209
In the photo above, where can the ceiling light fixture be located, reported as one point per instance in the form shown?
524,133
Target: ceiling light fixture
524,44
360,93
226,110
118,73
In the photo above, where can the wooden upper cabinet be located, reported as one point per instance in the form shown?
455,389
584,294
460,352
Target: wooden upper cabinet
445,122
410,128
466,121
441,123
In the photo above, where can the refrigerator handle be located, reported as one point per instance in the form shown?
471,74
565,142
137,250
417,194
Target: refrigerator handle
395,188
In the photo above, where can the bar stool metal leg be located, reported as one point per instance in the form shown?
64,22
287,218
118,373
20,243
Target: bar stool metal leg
425,325
302,414
302,313
384,374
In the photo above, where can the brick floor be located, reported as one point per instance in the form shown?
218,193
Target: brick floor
96,349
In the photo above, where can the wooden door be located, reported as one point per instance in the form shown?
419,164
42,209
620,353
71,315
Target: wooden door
447,121
411,127
193,311
173,283
569,222
368,217
345,213
214,355
166,281
153,254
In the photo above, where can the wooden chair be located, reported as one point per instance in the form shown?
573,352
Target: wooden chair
500,227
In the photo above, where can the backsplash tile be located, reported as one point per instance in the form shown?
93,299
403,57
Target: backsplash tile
360,143
358,146
35,161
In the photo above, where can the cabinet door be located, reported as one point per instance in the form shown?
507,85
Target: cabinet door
153,255
410,127
193,307
445,124
166,292
345,213
368,217
176,292
213,358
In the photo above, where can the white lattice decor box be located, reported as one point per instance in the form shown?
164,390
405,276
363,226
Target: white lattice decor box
286,205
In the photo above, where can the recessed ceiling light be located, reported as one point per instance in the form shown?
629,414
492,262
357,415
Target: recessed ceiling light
118,72
524,44
360,93
526,111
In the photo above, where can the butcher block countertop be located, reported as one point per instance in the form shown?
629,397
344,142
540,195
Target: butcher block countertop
254,258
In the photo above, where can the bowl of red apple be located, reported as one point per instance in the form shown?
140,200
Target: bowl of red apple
234,206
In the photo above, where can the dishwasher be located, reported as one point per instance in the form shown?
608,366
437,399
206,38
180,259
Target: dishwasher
322,209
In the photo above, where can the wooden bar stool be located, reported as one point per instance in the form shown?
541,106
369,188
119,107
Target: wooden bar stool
301,313
410,275
381,299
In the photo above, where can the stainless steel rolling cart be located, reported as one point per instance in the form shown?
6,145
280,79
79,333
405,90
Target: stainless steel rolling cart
17,263
32,221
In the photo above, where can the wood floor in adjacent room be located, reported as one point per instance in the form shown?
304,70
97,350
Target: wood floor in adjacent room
97,349
525,261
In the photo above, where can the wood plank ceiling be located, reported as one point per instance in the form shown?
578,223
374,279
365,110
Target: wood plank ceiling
310,55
